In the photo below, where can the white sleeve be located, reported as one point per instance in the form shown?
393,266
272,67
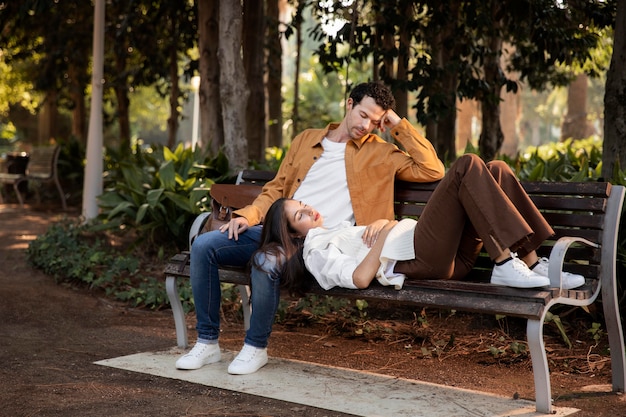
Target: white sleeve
331,268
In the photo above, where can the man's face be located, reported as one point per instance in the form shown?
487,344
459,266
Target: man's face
363,117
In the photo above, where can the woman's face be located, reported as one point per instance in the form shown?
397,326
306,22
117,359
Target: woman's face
301,217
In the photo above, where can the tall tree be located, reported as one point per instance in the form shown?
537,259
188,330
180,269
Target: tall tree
211,126
614,147
491,136
575,124
274,72
57,58
234,91
254,57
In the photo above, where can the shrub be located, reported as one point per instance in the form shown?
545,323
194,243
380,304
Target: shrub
158,192
73,253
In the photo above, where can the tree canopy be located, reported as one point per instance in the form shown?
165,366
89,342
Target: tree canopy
431,53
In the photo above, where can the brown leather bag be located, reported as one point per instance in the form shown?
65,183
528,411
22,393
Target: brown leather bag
225,198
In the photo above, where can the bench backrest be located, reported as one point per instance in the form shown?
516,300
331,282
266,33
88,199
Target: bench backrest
576,209
42,162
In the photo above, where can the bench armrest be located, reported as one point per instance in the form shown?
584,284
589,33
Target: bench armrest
197,226
557,256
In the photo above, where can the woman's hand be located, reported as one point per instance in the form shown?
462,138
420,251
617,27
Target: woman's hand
373,230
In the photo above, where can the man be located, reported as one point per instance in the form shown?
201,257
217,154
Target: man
347,173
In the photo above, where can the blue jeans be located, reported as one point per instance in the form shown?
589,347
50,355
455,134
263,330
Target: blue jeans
213,249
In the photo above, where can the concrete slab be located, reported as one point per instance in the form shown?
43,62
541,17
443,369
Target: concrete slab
336,389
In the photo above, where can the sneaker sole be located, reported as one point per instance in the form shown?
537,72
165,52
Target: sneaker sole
235,371
208,361
526,285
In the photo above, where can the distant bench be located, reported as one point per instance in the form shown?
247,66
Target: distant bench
585,217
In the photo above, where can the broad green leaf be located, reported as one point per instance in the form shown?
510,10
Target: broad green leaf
167,176
141,213
154,196
124,207
180,201
168,155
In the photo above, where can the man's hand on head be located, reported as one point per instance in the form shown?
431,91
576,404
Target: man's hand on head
390,120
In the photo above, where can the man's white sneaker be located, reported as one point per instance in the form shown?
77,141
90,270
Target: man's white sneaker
201,354
569,281
515,273
248,361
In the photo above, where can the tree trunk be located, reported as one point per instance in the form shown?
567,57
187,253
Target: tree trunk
491,136
79,112
211,128
400,92
614,147
445,142
465,116
48,118
274,73
123,102
172,121
509,108
295,115
441,131
253,55
233,87
575,124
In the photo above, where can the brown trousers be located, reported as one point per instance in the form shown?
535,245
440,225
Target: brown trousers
475,204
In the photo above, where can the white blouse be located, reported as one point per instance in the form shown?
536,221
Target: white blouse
332,255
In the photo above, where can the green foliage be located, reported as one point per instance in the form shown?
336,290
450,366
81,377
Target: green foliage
515,348
596,332
570,160
553,318
74,253
273,158
158,192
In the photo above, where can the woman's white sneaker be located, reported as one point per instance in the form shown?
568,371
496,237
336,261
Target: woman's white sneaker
248,361
569,281
515,273
201,354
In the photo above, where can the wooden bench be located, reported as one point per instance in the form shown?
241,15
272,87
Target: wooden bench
41,167
580,213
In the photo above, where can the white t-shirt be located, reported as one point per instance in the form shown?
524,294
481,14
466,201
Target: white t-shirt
325,186
332,255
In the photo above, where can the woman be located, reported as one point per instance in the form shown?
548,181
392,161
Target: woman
475,205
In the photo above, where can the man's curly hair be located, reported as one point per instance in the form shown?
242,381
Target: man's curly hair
378,91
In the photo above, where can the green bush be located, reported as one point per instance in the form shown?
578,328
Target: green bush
579,160
73,253
158,192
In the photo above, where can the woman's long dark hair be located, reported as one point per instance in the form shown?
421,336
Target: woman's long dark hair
280,240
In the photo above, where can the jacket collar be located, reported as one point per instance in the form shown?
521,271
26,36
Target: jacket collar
331,126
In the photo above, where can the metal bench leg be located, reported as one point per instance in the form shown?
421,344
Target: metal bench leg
177,310
17,193
61,193
616,336
541,373
244,293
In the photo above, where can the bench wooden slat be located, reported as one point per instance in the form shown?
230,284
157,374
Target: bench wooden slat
596,189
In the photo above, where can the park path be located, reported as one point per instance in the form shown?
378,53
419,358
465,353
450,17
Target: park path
51,335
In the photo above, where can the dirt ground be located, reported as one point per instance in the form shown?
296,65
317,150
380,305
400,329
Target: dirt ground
50,336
